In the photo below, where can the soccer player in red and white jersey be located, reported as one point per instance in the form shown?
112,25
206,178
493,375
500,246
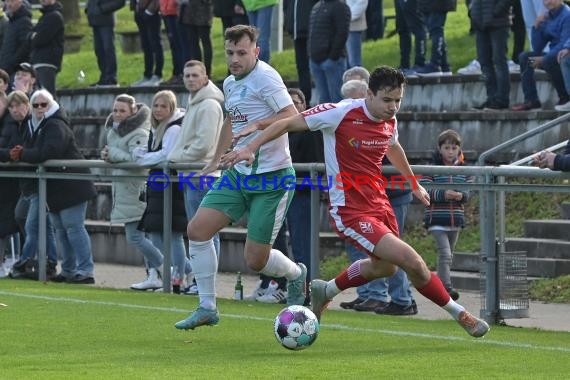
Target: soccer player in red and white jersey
357,133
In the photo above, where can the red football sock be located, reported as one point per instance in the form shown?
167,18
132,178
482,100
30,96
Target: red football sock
350,277
435,291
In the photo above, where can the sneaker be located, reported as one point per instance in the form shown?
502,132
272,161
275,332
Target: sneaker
454,294
112,83
141,82
350,304
481,106
23,269
514,68
415,307
495,106
192,290
429,70
257,292
473,68
395,309
152,282
474,326
175,80
409,73
154,81
81,279
199,317
59,278
274,296
563,107
527,106
446,71
370,305
51,270
297,288
319,300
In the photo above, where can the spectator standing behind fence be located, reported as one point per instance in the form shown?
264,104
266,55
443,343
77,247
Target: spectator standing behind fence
356,31
226,11
169,13
147,18
127,129
445,216
46,42
260,13
328,32
196,18
297,14
552,29
410,21
66,198
435,15
165,130
490,19
199,135
101,18
8,188
15,46
27,209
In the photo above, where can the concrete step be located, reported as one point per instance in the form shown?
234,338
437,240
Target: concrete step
540,248
565,210
547,229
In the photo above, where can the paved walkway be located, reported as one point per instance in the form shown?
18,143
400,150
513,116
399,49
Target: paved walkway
542,315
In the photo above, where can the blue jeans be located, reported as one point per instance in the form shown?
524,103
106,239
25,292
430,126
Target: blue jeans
261,19
32,225
397,285
151,43
354,49
492,47
409,20
328,79
174,33
551,66
177,252
299,225
104,45
137,238
565,69
74,240
435,22
192,200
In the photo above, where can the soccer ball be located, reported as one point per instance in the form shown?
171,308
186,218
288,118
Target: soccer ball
296,327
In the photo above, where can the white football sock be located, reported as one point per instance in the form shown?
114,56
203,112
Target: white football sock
453,308
331,290
204,266
279,265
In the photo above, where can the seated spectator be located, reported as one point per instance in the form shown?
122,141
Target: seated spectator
554,161
552,28
66,199
564,61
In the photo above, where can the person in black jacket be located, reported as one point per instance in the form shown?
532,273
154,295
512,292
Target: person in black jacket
101,17
15,46
46,42
51,138
297,14
8,188
490,19
27,208
328,32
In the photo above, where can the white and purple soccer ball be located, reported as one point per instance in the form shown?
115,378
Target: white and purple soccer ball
296,327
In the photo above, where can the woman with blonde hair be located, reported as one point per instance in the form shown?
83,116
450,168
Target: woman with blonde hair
128,129
165,126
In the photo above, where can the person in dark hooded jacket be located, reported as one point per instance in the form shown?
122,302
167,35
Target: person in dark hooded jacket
15,45
51,138
46,41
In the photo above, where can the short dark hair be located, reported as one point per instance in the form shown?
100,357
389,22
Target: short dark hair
237,32
4,76
449,136
386,77
299,93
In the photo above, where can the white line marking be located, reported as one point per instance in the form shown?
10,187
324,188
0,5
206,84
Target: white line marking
333,326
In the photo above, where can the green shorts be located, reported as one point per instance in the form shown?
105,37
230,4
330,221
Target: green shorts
265,197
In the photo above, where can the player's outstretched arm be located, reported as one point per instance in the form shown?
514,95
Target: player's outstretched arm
264,123
398,158
295,123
